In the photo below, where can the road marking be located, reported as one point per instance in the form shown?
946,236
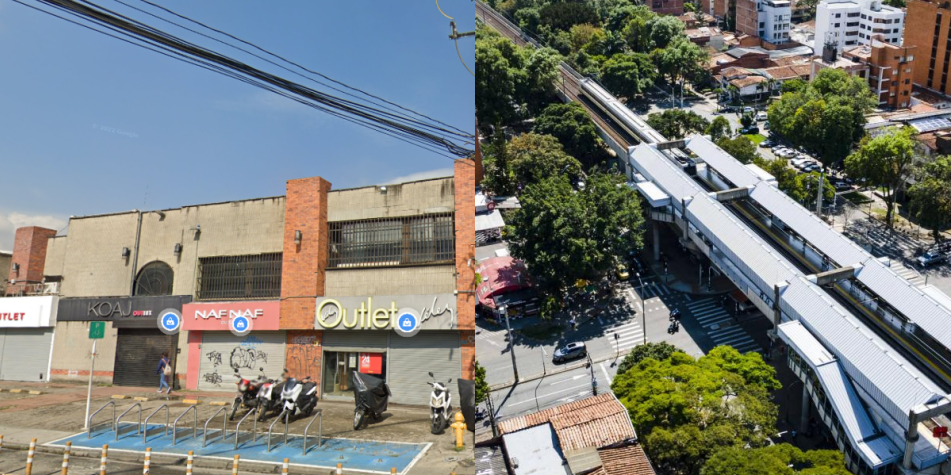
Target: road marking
573,378
602,364
549,394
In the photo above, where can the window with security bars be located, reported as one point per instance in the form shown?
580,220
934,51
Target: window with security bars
412,240
255,276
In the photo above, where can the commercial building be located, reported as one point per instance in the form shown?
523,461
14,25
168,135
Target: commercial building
889,69
313,281
846,23
930,35
769,20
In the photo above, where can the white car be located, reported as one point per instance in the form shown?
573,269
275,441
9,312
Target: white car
748,110
784,152
798,162
761,116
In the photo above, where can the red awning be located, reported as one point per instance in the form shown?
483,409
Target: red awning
500,275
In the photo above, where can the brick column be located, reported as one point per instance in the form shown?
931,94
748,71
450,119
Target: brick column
302,274
29,251
464,189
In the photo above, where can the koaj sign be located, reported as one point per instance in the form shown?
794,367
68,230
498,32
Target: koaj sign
406,314
118,309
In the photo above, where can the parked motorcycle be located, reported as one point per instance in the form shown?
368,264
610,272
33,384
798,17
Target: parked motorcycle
440,405
298,397
247,396
371,396
269,397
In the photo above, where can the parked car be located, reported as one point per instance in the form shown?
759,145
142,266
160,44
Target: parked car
766,143
621,271
812,167
761,116
932,257
799,162
748,110
766,125
752,130
841,186
570,352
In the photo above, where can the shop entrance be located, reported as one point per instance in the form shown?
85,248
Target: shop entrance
339,364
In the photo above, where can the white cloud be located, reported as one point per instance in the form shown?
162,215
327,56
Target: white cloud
9,222
437,173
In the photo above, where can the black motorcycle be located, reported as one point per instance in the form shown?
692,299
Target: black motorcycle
269,398
371,395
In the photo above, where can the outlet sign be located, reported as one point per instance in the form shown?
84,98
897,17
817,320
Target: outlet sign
387,312
28,312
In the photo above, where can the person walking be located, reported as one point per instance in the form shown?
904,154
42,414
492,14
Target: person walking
164,371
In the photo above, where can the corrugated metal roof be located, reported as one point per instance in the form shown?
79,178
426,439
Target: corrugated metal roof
722,162
657,168
908,299
837,247
490,220
732,237
805,344
654,195
536,451
490,461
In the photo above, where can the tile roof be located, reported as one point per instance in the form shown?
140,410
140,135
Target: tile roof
591,422
628,460
747,81
734,71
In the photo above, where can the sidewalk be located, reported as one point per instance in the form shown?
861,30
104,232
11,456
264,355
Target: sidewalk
684,268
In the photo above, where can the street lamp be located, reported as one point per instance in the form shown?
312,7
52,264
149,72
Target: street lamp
617,350
643,308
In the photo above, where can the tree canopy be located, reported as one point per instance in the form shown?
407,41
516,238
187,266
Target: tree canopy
931,196
481,386
885,161
780,459
719,128
826,116
628,74
686,409
677,123
659,351
572,126
742,148
563,234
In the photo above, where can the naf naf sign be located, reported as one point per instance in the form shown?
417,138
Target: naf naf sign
28,312
238,317
404,314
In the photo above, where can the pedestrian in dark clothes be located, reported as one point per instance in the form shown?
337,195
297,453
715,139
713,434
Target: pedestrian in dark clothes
164,371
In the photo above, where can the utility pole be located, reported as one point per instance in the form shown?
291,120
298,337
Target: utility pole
822,180
643,309
511,342
617,350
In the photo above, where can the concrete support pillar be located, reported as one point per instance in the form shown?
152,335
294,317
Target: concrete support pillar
804,414
911,436
655,234
777,313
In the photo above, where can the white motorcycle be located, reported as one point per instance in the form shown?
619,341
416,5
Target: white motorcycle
440,405
298,397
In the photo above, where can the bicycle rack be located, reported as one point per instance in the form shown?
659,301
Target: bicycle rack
287,418
138,428
175,424
89,421
319,416
254,431
224,426
145,430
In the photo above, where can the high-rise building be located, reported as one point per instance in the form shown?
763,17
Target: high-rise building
931,37
848,23
766,19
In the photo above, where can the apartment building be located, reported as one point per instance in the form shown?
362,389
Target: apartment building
931,37
848,23
769,20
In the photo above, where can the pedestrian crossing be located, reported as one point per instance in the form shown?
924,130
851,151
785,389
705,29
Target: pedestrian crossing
652,289
630,334
718,323
494,338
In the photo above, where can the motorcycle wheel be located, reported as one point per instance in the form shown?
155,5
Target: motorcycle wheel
358,418
234,408
438,424
262,413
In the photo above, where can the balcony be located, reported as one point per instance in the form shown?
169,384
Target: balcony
27,290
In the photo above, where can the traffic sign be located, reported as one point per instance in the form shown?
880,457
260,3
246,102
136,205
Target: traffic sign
97,330
170,321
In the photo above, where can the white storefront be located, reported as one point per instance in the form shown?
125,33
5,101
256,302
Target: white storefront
26,337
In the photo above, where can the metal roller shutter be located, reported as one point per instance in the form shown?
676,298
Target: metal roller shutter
374,341
411,359
25,354
223,354
138,351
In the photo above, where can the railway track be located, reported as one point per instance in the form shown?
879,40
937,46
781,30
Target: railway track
570,85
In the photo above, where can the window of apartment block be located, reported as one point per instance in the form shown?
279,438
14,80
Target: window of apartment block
411,240
762,24
910,58
852,15
864,17
256,276
852,25
837,25
837,15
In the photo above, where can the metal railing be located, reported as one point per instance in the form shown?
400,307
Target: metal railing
175,424
254,430
145,430
138,428
89,422
287,417
224,426
320,417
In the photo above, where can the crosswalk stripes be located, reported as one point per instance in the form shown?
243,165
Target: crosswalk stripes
630,334
652,289
717,321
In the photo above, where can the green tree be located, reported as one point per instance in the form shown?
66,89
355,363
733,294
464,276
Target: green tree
636,31
680,61
718,128
541,71
807,186
528,19
619,17
535,157
481,386
498,170
781,459
686,409
572,126
677,123
628,75
664,29
885,161
746,120
786,177
583,34
793,85
496,80
740,147
931,196
562,16
563,234
660,351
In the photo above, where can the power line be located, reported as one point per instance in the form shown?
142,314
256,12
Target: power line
411,130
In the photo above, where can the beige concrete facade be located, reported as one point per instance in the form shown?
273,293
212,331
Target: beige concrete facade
6,259
391,281
71,353
406,199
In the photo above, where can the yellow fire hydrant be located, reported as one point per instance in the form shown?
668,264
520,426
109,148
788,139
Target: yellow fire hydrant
460,427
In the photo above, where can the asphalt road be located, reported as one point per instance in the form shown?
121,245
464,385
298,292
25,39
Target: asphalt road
553,390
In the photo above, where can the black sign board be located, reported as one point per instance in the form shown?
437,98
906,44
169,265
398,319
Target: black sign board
124,312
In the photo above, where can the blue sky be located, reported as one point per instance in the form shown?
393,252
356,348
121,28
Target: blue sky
89,124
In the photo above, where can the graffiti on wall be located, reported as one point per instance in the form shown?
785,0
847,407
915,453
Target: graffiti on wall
246,358
213,378
215,358
303,356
